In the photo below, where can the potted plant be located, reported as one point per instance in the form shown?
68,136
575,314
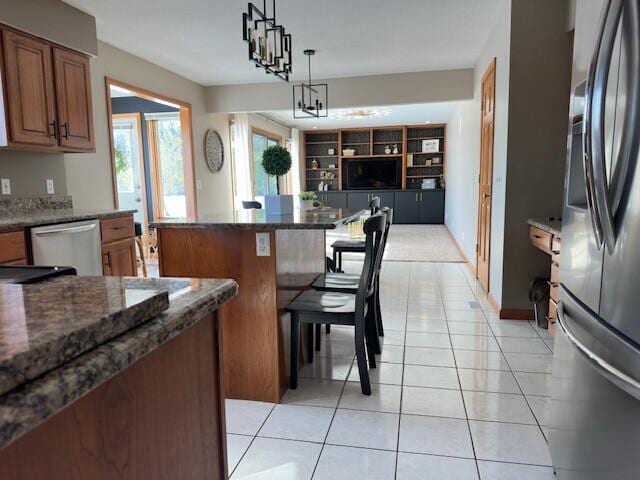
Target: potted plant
308,200
276,161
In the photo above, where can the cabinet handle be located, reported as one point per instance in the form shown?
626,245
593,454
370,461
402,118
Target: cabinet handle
420,196
54,128
107,257
416,197
65,125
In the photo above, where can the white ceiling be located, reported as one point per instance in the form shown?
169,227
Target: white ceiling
202,39
391,115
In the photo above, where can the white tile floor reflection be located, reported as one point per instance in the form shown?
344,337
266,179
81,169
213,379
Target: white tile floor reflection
458,395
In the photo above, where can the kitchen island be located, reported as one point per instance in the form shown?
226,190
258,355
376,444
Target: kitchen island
96,384
273,259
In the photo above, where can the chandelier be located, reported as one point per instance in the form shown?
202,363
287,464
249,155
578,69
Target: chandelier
310,99
269,44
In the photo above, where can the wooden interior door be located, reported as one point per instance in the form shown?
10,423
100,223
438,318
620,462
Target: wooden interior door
73,93
483,246
30,90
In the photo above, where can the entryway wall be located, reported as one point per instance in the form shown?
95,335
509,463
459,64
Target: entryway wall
532,97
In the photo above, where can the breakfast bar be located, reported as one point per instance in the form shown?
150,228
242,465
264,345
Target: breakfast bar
273,259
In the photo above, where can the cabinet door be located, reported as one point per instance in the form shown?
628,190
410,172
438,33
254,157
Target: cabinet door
406,207
73,94
31,105
119,258
335,200
431,207
386,198
358,199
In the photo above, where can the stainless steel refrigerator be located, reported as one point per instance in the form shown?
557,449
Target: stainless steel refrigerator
594,430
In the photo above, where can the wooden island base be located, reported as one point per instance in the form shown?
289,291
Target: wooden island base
161,418
256,328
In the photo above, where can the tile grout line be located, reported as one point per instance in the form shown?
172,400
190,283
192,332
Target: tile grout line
404,353
252,440
464,403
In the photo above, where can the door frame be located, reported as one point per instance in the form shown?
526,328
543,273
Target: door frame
491,69
186,129
138,119
264,133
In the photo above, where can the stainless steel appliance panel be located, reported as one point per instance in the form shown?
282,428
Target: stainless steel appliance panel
594,431
620,296
75,244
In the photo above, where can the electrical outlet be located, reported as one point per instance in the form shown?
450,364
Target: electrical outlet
6,186
263,244
50,187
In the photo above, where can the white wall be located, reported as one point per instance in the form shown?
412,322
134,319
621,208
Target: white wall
463,156
89,175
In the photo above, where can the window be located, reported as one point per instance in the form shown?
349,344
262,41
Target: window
263,184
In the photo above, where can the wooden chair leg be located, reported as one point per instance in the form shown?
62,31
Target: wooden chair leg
141,252
310,341
335,261
361,358
339,267
327,329
295,344
378,309
372,341
318,336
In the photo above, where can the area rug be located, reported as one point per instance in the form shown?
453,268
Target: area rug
409,243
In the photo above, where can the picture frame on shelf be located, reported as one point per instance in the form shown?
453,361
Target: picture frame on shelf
409,159
436,161
427,162
430,145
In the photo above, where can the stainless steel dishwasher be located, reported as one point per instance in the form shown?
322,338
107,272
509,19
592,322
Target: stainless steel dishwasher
75,244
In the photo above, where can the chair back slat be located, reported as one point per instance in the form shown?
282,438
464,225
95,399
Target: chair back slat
374,205
374,229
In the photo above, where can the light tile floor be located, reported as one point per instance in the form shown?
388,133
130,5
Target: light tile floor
458,395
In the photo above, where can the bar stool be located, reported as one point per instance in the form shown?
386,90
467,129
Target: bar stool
137,227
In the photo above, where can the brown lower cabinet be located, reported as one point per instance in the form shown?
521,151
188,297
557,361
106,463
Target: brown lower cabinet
13,249
119,258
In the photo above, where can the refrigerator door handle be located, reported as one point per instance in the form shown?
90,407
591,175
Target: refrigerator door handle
594,114
629,144
614,375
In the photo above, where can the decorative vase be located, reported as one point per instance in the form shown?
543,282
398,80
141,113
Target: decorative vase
278,204
387,150
395,149
314,164
306,204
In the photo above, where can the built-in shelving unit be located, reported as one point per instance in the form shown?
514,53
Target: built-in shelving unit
326,148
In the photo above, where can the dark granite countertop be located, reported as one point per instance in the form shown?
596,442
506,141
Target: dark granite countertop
46,324
28,405
320,219
15,221
551,225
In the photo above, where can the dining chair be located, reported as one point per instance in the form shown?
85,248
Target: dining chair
251,205
352,246
317,307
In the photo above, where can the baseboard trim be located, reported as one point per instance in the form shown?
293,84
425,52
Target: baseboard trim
471,266
517,314
494,304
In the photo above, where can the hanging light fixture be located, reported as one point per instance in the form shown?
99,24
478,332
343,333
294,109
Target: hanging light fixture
310,99
269,44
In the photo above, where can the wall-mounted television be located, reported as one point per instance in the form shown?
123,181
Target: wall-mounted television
372,173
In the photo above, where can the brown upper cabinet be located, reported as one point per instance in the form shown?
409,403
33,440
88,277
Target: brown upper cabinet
48,95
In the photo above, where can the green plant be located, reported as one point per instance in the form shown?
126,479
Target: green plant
316,203
276,161
308,196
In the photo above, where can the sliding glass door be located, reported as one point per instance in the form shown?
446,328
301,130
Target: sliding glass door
128,163
167,162
263,184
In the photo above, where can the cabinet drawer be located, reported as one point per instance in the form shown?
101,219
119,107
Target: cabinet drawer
556,244
555,273
540,239
116,228
12,246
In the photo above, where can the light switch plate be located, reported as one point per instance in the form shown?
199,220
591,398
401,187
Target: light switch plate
263,244
50,187
6,186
